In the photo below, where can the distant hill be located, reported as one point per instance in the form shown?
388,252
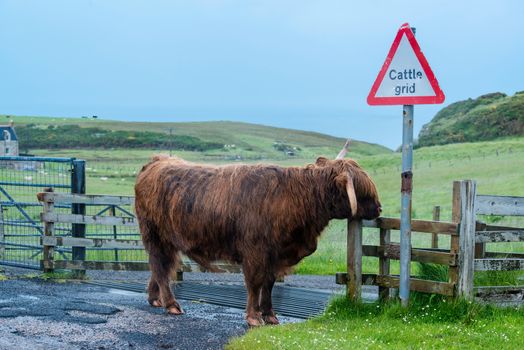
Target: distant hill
485,118
221,139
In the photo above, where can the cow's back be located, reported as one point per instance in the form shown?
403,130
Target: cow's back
208,210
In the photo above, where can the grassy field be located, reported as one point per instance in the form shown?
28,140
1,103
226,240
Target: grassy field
496,166
429,323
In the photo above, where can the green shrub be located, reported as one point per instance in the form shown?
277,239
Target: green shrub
74,136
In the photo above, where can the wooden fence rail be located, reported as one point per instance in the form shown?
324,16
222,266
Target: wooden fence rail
465,256
67,198
387,251
505,206
500,205
49,241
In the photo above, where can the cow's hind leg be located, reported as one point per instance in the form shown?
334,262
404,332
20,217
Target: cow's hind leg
153,293
150,239
266,304
162,263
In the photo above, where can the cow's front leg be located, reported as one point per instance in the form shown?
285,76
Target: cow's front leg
253,276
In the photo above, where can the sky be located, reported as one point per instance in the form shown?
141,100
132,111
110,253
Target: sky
297,64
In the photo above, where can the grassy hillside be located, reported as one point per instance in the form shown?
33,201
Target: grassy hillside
236,140
485,118
73,136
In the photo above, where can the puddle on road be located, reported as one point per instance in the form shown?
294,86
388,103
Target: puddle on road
123,292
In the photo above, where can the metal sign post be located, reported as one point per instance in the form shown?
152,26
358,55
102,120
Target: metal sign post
405,79
405,210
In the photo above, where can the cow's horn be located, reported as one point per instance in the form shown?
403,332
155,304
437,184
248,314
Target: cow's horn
344,150
350,189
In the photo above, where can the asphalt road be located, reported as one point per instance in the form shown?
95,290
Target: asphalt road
36,314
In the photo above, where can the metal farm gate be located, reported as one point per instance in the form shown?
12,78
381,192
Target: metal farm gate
20,227
21,178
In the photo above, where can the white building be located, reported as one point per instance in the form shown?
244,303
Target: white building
8,140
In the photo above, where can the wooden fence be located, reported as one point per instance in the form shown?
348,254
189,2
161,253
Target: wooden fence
49,240
498,261
465,255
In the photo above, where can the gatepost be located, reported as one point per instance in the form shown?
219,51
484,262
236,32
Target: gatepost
78,186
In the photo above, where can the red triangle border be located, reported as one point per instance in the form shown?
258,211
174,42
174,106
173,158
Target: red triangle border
439,97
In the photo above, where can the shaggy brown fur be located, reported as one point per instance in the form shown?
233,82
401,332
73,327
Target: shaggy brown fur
265,217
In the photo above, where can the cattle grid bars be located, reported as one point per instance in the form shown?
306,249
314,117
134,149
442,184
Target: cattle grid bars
20,227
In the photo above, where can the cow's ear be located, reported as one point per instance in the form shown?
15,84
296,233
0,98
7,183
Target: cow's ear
321,161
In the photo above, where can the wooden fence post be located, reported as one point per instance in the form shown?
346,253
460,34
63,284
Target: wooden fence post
454,241
480,250
354,260
49,228
464,210
112,212
434,235
383,263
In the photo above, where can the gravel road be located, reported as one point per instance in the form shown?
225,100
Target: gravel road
36,314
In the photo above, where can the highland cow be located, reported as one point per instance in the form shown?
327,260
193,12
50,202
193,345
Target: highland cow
264,217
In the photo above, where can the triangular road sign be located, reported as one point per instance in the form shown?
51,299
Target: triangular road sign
405,77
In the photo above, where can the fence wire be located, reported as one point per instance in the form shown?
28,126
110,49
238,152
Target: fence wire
21,178
113,232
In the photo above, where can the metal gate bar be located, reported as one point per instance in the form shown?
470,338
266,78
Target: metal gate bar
20,228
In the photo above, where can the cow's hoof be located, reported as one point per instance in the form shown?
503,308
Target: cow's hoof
270,319
155,303
175,309
254,321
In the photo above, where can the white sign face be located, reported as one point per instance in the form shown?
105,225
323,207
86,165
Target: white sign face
405,75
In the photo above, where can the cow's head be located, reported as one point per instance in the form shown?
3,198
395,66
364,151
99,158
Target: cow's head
353,184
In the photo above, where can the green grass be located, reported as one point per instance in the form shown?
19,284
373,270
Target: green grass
430,322
60,276
436,272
